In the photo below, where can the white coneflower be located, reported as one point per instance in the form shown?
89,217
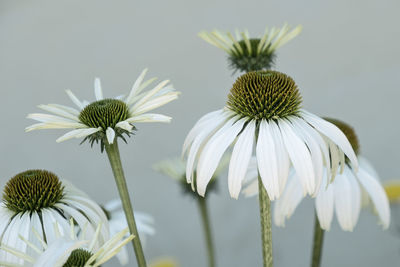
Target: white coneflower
345,195
117,222
68,250
106,118
38,199
263,111
250,54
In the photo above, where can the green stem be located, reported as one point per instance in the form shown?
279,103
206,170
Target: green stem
266,231
318,244
207,230
116,165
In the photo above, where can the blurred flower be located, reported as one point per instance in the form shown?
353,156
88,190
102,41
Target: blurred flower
176,169
250,54
263,110
106,118
117,222
164,263
392,189
68,250
38,199
346,194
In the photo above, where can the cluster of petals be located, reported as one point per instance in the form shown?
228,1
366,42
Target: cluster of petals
305,142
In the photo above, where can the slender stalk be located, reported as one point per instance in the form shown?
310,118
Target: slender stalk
266,231
207,230
318,244
116,165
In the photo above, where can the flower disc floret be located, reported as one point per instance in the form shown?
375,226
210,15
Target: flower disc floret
32,190
104,113
265,95
78,258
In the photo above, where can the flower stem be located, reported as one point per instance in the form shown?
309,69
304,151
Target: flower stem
266,231
116,165
318,243
207,230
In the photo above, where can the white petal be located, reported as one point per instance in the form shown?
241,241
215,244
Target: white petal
267,160
60,112
135,86
315,151
50,118
110,135
299,156
377,194
240,159
324,203
73,111
150,94
198,127
78,133
213,151
5,217
324,147
75,99
198,142
282,156
289,200
347,199
97,89
333,133
154,103
149,117
124,125
46,125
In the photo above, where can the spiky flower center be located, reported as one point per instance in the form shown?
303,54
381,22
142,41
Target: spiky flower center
78,258
32,190
245,59
348,132
264,95
104,113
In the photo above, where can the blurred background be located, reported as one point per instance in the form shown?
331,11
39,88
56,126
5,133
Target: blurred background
346,63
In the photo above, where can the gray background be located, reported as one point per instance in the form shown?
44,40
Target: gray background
346,63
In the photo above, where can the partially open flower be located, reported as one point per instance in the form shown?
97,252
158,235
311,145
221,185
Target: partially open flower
68,249
264,111
38,199
346,194
250,54
106,118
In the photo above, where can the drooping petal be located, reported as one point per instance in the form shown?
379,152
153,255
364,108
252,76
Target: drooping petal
377,194
240,159
315,151
289,200
198,127
324,204
281,154
333,133
347,199
267,160
198,142
213,151
299,156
